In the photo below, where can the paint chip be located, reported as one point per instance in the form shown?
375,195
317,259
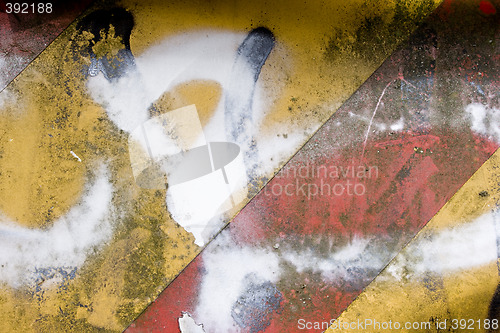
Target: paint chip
75,156
188,325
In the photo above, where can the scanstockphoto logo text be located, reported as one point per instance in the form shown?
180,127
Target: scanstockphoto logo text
364,325
370,324
311,180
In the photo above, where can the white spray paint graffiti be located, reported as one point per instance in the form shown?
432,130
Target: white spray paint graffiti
227,264
203,55
336,265
206,55
75,155
484,120
450,250
66,243
7,98
204,179
9,65
179,59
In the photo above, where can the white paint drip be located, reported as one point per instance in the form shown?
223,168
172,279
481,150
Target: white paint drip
187,325
65,244
373,116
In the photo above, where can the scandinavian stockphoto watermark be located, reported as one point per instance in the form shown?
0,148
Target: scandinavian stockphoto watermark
311,180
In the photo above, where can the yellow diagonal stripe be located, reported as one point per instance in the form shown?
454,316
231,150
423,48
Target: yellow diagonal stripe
53,135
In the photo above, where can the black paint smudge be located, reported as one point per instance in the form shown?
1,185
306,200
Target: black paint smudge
99,22
252,54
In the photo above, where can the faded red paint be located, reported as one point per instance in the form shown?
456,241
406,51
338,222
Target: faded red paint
180,296
487,7
24,36
419,170
412,186
391,200
446,9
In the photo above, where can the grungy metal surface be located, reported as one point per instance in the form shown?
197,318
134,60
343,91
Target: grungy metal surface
343,207
447,278
23,36
85,246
